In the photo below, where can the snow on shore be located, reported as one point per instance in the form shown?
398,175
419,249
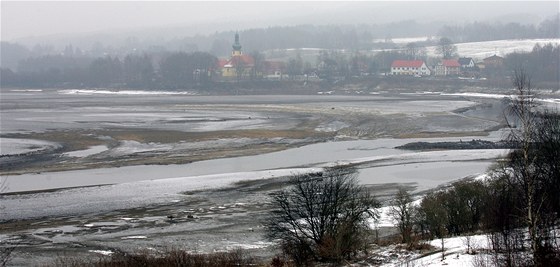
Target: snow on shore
456,253
14,146
120,92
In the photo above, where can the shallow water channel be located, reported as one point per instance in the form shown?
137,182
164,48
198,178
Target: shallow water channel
378,162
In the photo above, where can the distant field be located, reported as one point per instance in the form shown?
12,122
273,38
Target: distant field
476,50
480,50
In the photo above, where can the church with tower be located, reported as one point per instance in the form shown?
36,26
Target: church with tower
241,66
238,65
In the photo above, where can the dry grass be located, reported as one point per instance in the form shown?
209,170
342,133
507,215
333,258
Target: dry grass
170,258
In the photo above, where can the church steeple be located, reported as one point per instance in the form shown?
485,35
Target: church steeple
236,46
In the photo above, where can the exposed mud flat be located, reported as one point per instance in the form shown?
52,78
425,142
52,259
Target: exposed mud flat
242,148
163,129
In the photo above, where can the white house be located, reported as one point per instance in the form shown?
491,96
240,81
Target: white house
410,67
466,63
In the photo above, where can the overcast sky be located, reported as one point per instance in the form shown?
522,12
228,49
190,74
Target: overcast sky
24,18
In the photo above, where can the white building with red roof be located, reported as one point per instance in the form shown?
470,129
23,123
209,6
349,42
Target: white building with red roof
410,67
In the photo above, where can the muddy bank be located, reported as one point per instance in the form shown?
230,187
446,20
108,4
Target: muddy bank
125,147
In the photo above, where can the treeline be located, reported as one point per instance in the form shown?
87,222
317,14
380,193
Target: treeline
352,37
481,31
541,63
176,70
198,69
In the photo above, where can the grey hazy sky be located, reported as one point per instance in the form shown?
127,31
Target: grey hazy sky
26,18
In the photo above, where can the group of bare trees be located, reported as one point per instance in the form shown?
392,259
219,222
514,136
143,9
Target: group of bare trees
518,205
541,62
532,172
6,248
484,31
322,217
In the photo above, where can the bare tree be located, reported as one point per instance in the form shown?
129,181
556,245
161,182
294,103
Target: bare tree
414,51
402,212
5,249
257,70
240,66
322,217
435,216
535,135
446,48
522,110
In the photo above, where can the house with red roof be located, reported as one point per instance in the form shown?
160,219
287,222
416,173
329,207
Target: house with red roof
410,67
493,61
448,67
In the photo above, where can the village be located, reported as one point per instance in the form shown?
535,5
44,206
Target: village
336,65
300,70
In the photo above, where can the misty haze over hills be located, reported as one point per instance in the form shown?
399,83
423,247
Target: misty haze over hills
84,23
61,43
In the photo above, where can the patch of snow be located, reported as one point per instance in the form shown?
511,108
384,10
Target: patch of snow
404,40
331,126
481,95
134,237
131,147
455,249
501,96
482,177
254,245
121,92
551,100
15,146
86,152
102,252
26,90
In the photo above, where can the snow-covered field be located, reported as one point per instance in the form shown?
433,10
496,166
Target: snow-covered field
480,50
